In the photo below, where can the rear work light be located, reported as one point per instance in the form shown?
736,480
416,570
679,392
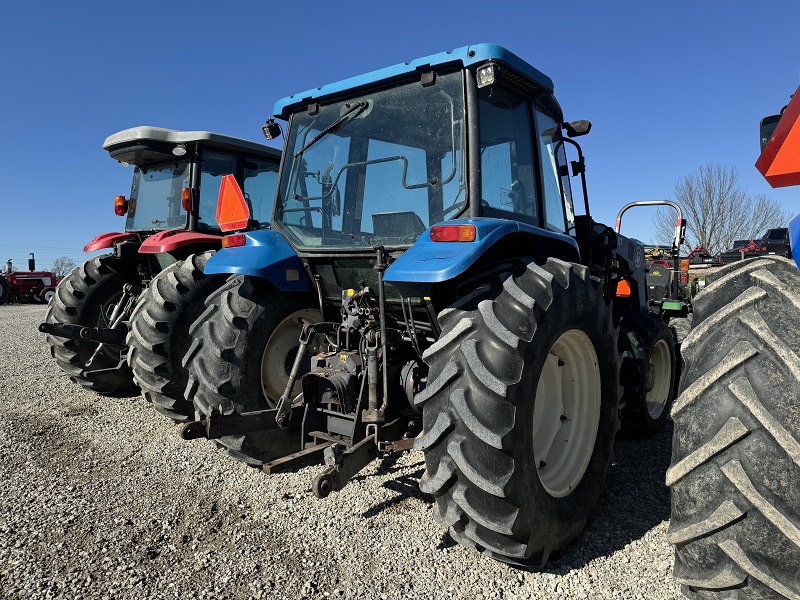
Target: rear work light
453,233
186,199
120,205
232,241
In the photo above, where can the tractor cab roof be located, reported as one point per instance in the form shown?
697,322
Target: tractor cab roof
468,56
146,146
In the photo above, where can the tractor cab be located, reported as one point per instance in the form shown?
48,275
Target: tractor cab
462,146
381,158
175,183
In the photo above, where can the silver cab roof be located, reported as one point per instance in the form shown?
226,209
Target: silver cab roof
129,137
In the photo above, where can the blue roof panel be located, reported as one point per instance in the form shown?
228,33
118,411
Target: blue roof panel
468,55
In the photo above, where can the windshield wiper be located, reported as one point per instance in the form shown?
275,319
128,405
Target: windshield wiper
346,116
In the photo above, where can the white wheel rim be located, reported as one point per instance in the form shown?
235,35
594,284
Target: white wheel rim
282,344
566,413
49,296
658,393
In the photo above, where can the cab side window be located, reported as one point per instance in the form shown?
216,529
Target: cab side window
260,181
559,213
507,164
215,165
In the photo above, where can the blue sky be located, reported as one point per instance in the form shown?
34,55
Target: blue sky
668,86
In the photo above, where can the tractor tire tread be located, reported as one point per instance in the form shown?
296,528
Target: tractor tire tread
67,307
736,447
222,348
468,416
159,334
638,335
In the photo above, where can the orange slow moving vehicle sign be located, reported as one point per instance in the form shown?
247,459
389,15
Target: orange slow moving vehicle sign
232,211
779,163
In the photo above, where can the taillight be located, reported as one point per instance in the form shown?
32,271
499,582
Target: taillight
232,241
623,289
120,205
453,233
186,199
232,210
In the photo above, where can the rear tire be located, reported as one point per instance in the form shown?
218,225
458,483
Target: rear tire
680,327
735,469
241,355
647,374
520,410
159,333
47,295
86,297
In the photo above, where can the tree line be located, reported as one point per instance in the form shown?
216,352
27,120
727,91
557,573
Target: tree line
718,210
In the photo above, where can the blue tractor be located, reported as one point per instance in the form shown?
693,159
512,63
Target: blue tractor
425,282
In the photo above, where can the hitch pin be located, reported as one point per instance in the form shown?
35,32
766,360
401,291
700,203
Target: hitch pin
116,317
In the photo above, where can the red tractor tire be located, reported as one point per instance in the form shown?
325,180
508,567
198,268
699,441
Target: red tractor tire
85,297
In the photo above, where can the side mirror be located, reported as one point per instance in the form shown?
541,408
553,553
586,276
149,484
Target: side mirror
577,128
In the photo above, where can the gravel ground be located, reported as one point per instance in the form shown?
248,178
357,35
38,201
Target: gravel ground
99,498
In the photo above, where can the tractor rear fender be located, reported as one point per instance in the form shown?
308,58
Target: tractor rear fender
173,239
266,254
427,263
794,238
107,240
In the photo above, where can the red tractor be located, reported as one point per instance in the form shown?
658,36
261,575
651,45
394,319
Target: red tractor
27,286
120,321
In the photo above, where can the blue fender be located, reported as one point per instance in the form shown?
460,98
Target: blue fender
266,254
428,262
794,238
